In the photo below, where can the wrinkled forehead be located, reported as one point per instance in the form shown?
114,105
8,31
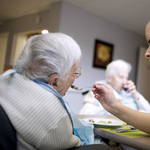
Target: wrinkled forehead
123,72
120,71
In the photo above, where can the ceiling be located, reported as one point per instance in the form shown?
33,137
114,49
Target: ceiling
130,14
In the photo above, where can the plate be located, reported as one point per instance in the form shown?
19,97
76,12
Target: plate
104,122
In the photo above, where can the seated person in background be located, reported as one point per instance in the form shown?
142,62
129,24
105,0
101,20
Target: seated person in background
117,73
31,94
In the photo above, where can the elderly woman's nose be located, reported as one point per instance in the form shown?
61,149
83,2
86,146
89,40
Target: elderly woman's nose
125,81
147,54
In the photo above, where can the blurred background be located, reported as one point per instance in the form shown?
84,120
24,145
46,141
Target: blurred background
120,23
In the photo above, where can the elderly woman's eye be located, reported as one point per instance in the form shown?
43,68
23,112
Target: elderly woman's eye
121,77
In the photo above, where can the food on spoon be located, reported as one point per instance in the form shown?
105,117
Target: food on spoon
74,87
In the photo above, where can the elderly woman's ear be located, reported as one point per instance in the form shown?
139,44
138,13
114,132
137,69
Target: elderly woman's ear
108,78
53,81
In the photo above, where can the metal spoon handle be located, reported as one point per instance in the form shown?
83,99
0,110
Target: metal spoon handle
126,127
79,89
85,88
124,130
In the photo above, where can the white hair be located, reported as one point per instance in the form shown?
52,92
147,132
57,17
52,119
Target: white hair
115,66
48,54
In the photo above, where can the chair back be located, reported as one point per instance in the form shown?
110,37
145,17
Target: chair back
8,139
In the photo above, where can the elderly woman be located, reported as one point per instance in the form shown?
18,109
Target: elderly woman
31,94
117,73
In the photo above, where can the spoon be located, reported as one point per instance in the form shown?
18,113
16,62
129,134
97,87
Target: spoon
128,126
120,130
125,130
79,89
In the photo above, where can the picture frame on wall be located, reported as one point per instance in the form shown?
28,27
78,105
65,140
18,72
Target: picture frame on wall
103,53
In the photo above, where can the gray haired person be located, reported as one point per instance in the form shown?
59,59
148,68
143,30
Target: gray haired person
117,73
31,94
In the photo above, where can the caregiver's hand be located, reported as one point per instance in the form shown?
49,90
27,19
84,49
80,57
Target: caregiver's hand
106,97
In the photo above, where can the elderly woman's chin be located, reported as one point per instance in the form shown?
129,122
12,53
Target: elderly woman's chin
62,93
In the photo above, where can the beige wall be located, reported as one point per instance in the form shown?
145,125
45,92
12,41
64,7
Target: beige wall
3,44
21,41
19,25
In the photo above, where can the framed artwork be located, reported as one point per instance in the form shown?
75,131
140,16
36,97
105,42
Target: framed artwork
102,54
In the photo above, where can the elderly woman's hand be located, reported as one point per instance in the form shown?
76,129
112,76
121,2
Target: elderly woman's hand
132,89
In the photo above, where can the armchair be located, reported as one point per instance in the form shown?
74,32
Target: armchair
8,139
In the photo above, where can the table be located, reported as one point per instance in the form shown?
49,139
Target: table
140,143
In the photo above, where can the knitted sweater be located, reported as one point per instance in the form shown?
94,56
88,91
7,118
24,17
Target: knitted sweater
39,117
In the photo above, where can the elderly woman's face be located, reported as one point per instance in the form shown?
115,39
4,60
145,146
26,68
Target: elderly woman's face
147,35
64,86
119,80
